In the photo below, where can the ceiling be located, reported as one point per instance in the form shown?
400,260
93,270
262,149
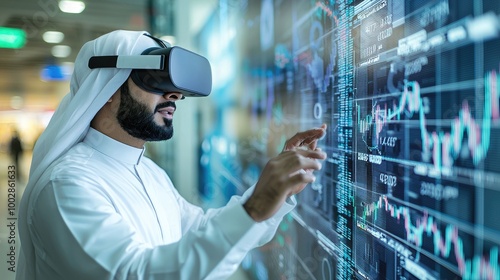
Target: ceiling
20,69
38,16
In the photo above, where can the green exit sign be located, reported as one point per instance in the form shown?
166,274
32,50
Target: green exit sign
12,38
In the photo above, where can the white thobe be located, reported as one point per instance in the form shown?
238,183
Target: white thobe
108,212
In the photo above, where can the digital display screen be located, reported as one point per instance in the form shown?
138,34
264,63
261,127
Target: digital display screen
410,91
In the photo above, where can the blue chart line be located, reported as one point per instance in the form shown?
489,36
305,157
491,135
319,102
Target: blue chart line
477,267
443,147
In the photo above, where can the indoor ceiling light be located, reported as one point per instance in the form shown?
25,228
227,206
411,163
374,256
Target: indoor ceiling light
53,37
16,102
61,51
72,7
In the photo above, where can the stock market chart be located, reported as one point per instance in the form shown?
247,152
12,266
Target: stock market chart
410,91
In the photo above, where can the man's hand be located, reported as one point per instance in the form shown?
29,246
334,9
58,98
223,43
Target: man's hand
306,139
286,174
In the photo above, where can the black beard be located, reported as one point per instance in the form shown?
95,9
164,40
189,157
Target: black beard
135,119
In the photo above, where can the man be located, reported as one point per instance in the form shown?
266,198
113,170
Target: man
96,208
16,150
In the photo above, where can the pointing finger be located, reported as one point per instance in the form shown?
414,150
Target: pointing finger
305,138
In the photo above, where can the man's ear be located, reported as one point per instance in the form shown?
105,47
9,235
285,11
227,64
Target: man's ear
115,96
102,121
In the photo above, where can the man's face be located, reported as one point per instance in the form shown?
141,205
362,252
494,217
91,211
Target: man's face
145,115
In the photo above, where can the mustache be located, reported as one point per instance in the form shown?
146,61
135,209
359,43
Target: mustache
164,105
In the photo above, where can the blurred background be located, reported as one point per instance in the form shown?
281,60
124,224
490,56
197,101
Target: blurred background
39,41
408,88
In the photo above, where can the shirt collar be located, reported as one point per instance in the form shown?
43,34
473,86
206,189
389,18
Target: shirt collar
112,148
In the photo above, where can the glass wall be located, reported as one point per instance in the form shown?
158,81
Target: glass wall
409,90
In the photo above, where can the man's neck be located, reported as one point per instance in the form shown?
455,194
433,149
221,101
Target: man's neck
110,127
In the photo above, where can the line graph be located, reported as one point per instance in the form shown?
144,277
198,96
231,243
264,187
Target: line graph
443,147
477,267
409,91
327,10
322,77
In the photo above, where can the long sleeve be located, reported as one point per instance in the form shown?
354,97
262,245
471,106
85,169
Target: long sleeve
194,218
105,212
79,234
256,235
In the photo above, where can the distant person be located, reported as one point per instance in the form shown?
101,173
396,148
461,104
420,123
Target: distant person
16,151
96,208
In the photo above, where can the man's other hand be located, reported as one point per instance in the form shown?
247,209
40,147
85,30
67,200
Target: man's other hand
286,174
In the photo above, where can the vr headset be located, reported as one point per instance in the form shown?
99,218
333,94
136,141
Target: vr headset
163,69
